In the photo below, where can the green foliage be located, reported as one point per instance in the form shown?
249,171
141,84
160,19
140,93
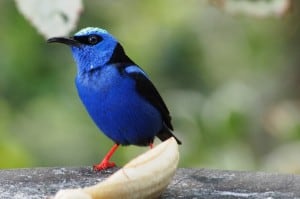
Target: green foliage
230,84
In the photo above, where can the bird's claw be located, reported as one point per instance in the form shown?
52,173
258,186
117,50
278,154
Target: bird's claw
103,166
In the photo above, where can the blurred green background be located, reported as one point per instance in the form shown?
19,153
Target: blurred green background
231,84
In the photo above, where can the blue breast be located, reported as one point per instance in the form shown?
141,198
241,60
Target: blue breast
111,100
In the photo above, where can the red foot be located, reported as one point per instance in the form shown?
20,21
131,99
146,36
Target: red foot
103,165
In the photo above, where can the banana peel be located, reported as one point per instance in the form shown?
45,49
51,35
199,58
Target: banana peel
146,176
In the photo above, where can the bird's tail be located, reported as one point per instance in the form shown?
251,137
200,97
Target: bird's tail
166,133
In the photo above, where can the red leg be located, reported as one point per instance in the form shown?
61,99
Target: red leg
105,164
151,145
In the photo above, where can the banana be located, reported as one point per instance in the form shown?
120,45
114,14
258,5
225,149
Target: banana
144,177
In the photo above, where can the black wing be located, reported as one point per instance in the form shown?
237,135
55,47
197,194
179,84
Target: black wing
148,91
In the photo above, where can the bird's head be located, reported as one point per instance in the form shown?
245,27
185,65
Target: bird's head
91,47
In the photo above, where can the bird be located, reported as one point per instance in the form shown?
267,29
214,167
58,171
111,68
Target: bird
117,93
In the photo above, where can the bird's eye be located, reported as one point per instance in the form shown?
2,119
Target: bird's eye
88,39
94,39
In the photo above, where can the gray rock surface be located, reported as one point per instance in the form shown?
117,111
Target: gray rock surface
187,183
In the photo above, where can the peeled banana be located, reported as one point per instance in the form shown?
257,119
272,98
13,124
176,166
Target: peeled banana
146,176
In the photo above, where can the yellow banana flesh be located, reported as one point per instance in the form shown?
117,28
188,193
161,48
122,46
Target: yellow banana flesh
144,177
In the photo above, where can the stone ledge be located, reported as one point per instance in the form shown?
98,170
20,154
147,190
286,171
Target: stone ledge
187,183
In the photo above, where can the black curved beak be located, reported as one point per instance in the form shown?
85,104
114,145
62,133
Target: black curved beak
64,40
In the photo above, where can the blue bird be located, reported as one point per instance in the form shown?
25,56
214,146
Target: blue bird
117,93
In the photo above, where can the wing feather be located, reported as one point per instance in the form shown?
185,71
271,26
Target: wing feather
148,91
